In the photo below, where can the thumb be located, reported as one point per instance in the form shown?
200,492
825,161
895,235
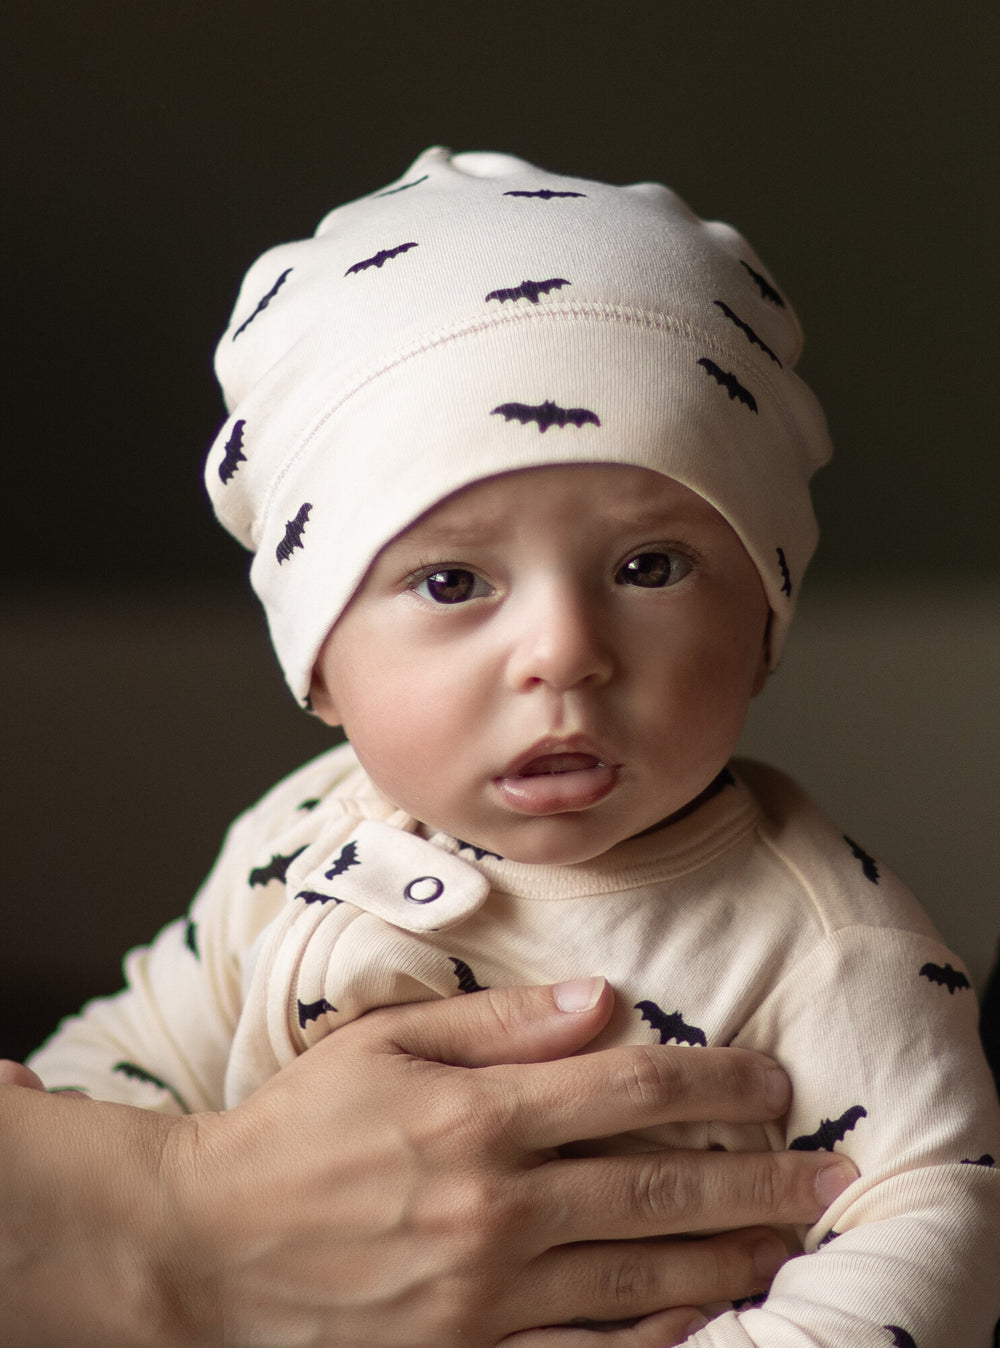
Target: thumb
500,1025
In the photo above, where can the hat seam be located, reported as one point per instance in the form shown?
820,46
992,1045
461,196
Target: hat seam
567,310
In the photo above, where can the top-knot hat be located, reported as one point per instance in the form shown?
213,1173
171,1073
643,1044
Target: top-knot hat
482,315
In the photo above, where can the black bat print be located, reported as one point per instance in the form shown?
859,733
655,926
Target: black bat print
314,896
829,1132
466,978
901,1338
786,575
986,1160
671,1025
264,302
276,869
308,804
765,287
479,852
952,979
393,190
348,857
191,938
747,330
136,1073
233,454
757,1299
730,383
383,255
546,414
313,1010
529,290
293,533
545,193
869,868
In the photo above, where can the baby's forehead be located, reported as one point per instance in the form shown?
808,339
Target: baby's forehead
618,495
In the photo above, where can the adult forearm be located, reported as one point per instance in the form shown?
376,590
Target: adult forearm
82,1224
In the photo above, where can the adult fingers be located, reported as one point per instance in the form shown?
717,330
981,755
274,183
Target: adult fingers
498,1025
636,1086
670,1192
611,1282
665,1330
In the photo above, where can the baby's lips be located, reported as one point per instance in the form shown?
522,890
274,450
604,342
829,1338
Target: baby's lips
556,763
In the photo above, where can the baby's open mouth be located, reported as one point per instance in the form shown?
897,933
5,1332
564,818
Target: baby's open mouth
557,763
557,783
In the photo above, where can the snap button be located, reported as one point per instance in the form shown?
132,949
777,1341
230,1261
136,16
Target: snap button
425,889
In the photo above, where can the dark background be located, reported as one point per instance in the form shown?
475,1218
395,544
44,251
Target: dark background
152,150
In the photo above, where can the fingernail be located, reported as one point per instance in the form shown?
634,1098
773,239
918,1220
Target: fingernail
777,1090
832,1180
699,1322
578,994
768,1256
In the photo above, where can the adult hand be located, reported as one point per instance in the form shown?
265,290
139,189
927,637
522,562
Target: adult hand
378,1192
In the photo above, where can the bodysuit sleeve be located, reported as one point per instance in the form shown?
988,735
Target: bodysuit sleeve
164,1041
877,1028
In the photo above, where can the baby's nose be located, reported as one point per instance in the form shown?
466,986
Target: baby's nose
562,641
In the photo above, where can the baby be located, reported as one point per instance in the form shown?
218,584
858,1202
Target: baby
525,467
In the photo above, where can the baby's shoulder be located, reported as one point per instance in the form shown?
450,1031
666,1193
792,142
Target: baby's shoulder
334,783
844,882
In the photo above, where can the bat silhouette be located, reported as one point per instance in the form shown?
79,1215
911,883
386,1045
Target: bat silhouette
191,938
383,255
264,301
730,383
466,978
952,979
393,190
293,533
764,286
348,857
757,1299
829,1132
308,804
900,1337
276,869
748,331
529,290
233,455
480,852
986,1159
545,193
546,414
136,1073
869,867
314,896
671,1026
313,1010
786,575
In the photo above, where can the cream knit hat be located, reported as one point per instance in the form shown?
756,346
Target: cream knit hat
483,315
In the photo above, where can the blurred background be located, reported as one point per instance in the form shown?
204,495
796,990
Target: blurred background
154,147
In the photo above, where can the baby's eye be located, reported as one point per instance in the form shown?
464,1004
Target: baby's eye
653,570
452,585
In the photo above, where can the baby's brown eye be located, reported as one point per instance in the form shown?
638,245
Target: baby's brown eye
653,570
451,586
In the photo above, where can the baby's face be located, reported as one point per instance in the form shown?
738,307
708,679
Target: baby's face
550,661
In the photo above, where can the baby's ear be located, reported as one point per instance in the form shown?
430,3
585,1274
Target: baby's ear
320,701
763,670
